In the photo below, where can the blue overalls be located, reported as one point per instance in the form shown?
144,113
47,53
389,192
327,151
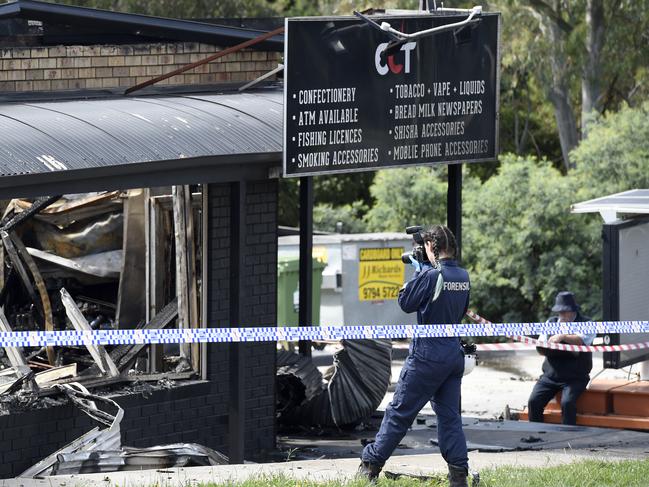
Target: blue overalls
567,372
433,370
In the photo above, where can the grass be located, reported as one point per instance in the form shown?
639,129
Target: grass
591,473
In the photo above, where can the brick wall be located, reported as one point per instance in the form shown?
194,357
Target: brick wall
194,412
260,303
94,67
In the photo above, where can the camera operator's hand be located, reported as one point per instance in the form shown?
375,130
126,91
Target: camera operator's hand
415,263
419,266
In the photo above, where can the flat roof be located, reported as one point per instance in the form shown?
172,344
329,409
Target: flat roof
122,142
146,26
632,202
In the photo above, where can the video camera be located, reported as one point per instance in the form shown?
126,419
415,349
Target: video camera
418,251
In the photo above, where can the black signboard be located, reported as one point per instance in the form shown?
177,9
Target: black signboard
350,107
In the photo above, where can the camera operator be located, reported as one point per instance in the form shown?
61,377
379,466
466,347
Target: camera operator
439,293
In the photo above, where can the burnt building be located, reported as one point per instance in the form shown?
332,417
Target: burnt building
191,148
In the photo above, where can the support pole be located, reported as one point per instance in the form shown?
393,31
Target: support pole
236,422
454,205
306,262
454,213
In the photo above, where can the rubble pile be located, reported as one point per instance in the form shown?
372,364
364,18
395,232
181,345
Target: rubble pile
83,262
101,450
100,261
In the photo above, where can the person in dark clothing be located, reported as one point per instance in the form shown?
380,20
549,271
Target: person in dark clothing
433,370
563,371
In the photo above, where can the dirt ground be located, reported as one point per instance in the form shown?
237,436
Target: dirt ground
501,379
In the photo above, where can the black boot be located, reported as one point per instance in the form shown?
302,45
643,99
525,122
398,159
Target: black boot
457,476
369,471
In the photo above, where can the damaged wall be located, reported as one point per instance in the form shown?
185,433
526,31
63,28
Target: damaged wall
195,412
165,416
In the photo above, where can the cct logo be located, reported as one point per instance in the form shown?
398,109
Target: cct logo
392,65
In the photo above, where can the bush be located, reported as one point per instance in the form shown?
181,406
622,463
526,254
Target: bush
326,217
522,245
615,155
404,197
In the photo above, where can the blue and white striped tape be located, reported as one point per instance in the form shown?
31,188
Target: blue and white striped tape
328,332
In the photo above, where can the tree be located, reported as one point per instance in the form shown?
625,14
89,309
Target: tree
409,196
615,155
527,121
591,88
592,47
522,245
351,192
342,189
556,21
346,7
341,219
296,8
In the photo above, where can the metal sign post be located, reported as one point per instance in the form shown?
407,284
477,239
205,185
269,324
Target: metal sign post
306,260
454,205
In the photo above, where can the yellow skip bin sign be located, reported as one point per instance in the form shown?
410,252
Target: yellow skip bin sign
380,273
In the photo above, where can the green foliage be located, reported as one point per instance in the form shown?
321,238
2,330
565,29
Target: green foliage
589,473
625,54
522,245
527,123
592,473
350,192
339,189
346,7
296,8
287,481
410,196
615,156
541,64
326,217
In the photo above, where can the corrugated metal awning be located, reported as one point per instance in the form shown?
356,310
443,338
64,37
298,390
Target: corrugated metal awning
58,141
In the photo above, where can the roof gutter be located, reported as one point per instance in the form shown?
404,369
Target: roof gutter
198,170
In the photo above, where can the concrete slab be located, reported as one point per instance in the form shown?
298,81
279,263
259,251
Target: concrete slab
483,435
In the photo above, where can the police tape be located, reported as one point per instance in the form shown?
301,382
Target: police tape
528,342
325,332
504,347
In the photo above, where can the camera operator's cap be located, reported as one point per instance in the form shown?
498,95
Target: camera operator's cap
565,301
